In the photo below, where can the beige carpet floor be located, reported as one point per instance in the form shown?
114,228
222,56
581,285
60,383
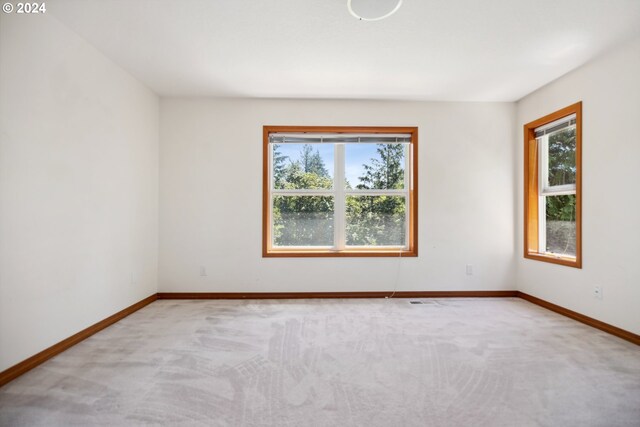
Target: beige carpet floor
362,362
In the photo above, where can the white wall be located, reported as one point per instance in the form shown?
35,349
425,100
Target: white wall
609,88
211,193
78,186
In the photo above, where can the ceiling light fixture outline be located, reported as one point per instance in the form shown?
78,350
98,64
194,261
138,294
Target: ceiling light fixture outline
379,18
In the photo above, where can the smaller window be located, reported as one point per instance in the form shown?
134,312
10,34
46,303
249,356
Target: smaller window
552,187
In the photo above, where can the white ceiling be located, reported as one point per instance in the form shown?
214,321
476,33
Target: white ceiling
462,50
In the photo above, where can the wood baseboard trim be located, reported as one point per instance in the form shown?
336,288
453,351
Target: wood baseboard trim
302,295
35,360
610,329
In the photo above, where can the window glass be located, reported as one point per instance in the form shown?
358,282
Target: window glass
562,157
303,220
376,221
302,166
561,225
374,166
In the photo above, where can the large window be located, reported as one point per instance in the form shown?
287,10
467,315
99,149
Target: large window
553,187
337,191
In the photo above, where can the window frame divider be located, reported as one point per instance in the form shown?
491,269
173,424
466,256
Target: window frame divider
340,204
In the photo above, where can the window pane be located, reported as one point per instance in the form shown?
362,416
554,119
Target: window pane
562,157
376,221
302,166
303,221
374,166
561,224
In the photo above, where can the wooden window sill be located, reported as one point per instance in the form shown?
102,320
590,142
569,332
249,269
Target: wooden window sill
338,254
555,259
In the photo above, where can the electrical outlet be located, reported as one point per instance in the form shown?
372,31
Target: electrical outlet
597,292
469,270
203,271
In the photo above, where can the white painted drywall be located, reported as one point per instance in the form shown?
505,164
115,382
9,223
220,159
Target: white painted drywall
78,186
609,89
211,197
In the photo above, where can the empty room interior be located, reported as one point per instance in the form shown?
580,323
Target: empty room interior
320,213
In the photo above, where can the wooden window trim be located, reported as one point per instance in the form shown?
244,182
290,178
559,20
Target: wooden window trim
412,250
531,196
